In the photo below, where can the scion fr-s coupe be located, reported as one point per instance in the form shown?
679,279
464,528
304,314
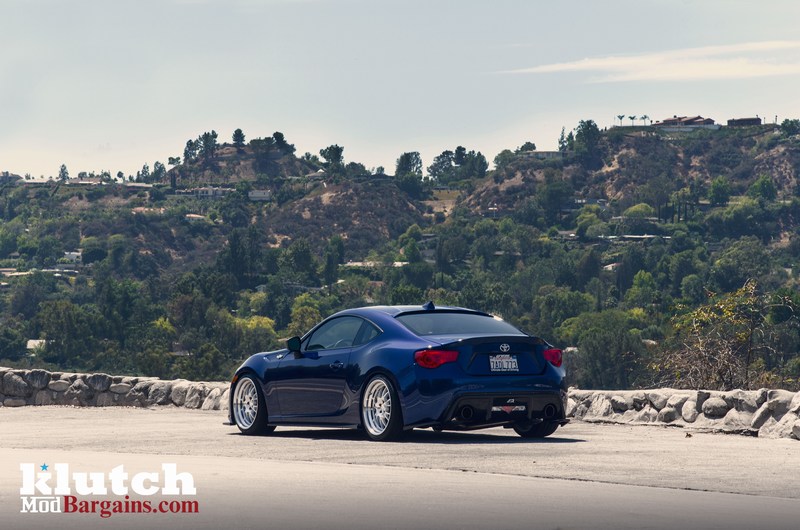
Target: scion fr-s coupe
386,369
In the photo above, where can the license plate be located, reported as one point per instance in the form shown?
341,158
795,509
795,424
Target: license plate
503,363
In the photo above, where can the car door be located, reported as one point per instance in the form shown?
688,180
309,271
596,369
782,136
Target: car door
312,382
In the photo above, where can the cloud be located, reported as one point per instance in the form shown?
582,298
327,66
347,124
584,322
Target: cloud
735,61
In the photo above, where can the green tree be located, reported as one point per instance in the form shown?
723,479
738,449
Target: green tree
717,345
159,171
409,164
280,142
763,188
190,151
208,146
720,191
643,292
790,127
69,331
12,343
610,349
63,174
333,155
587,140
640,211
562,141
527,146
238,140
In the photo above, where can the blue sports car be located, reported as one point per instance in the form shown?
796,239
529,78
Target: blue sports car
387,369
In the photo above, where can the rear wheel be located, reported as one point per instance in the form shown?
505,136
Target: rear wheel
539,430
249,407
380,410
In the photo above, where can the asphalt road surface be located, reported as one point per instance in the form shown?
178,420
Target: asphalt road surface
584,476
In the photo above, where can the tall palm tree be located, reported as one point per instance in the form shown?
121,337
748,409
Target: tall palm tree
620,117
645,118
632,118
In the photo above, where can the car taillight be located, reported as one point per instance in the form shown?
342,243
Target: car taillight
434,358
553,356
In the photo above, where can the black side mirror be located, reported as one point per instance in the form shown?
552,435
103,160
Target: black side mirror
293,344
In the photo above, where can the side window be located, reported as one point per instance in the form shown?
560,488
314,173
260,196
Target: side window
337,333
367,333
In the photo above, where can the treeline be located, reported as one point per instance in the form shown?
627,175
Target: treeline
686,277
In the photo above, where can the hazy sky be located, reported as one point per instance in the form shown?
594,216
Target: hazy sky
113,84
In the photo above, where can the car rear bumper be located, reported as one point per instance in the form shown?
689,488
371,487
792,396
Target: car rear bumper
473,410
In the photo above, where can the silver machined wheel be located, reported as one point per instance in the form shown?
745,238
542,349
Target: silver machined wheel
245,403
377,407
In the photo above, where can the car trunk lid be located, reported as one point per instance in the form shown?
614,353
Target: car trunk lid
497,355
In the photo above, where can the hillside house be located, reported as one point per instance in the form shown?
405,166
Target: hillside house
744,122
684,121
259,195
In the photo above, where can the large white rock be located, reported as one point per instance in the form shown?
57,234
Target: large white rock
657,399
79,393
715,407
647,415
58,385
196,395
38,379
120,388
743,401
761,416
14,385
735,420
212,400
621,403
601,408
668,415
99,382
689,411
779,401
44,397
160,392
796,429
794,406
179,390
676,401
106,399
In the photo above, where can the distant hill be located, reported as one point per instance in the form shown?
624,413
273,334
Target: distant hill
645,164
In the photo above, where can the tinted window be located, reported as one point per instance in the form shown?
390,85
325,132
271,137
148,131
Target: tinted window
336,333
443,323
368,332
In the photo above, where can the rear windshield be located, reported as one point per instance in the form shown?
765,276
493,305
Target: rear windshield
443,323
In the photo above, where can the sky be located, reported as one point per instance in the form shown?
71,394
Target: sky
116,84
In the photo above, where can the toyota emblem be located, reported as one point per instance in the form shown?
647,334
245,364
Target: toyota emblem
504,348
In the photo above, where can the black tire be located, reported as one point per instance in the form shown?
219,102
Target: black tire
249,407
539,430
381,416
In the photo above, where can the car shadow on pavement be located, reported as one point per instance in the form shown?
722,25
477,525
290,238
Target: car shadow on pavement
426,436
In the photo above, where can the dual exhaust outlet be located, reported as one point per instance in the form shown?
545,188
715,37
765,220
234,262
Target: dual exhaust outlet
466,413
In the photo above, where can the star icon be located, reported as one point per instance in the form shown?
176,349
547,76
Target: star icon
44,467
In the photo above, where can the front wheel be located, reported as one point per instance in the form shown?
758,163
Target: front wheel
380,410
539,430
249,407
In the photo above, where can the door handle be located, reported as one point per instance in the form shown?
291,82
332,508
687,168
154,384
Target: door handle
337,365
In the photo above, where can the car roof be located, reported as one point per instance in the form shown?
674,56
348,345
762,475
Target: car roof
395,310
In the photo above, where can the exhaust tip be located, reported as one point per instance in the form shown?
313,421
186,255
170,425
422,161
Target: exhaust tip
466,413
550,411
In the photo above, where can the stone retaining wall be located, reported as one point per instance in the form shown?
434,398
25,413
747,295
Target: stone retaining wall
40,387
767,413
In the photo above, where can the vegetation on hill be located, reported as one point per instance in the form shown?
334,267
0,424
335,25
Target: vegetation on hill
662,258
